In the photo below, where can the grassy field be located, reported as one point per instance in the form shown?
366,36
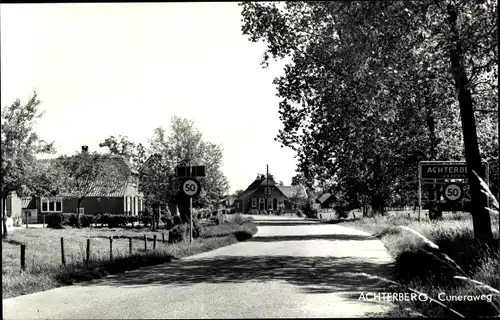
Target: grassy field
428,260
44,268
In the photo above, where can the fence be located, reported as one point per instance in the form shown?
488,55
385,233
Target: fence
89,248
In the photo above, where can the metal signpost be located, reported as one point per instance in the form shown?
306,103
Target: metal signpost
190,187
445,173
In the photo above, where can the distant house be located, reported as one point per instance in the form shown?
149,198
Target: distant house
13,209
122,198
264,194
325,201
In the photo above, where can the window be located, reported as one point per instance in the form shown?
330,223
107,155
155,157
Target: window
268,190
51,205
270,203
254,202
129,209
237,205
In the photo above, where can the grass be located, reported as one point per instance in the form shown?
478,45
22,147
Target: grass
43,253
439,257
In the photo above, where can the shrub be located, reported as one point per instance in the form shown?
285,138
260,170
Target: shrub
197,229
248,229
240,219
132,219
254,212
146,219
309,210
263,212
104,219
117,220
179,233
87,220
71,219
177,220
168,221
55,220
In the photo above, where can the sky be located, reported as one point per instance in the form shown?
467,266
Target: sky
127,68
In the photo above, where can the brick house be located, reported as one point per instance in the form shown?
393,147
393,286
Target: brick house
264,194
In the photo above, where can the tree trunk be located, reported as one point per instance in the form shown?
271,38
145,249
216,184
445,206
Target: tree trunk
4,214
183,206
480,216
377,204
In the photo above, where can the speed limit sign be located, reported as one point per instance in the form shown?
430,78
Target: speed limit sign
452,192
191,187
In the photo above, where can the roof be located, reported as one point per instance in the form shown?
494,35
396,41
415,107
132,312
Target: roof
28,203
324,197
288,191
293,191
101,189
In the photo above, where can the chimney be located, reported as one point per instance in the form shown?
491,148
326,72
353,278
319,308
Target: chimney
85,149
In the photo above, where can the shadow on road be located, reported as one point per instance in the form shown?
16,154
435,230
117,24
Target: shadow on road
314,274
310,237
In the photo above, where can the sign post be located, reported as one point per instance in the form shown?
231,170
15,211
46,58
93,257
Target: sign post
445,173
190,187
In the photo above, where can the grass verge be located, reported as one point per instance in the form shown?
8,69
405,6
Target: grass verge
43,254
442,261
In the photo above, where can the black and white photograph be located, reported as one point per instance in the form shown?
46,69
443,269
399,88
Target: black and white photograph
250,160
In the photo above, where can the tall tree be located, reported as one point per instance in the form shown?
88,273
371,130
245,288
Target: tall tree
19,148
351,97
184,145
134,153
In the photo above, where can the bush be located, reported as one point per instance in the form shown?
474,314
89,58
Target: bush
71,219
117,220
56,220
179,233
168,221
309,210
87,220
177,220
263,212
132,219
254,212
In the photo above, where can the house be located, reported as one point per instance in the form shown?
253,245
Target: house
325,201
13,209
264,194
226,204
122,198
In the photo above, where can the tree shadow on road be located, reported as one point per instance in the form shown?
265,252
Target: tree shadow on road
310,237
311,274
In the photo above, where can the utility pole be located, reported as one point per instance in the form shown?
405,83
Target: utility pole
267,188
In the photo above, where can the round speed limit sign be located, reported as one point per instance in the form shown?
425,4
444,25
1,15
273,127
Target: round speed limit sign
191,187
452,192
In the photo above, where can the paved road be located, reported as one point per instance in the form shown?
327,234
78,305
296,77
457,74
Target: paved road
284,271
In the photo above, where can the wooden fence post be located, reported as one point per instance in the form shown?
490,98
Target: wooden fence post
145,243
23,257
87,260
130,245
63,257
111,248
154,242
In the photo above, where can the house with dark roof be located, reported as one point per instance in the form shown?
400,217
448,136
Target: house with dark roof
122,197
326,201
265,194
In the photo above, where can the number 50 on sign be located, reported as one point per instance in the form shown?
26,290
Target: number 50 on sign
452,192
191,187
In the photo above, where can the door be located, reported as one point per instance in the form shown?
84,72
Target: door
275,204
262,204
